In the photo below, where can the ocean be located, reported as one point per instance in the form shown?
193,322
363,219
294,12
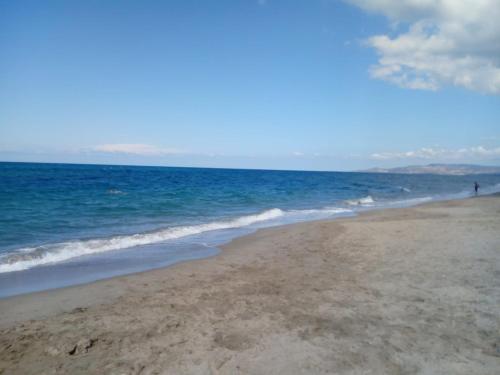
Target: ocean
67,224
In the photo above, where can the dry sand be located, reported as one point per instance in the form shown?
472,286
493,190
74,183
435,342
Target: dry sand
403,291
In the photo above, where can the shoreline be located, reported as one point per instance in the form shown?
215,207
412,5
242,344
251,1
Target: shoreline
321,285
220,247
82,260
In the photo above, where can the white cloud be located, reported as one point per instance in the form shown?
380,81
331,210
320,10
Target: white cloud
448,42
478,152
298,153
134,149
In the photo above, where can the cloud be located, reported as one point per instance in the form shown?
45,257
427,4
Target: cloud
478,152
134,149
447,42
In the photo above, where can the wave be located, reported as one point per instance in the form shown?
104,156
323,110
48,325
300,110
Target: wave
34,256
326,210
116,192
366,201
30,257
409,201
404,189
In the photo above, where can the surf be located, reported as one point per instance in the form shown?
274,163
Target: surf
26,258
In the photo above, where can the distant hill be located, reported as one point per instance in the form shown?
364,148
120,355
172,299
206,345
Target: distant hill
446,169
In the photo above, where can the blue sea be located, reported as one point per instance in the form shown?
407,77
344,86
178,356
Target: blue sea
66,224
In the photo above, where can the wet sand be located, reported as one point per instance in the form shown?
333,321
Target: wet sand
402,291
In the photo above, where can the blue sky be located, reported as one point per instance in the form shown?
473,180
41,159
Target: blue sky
310,84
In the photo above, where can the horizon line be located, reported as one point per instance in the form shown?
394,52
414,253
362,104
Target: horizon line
367,170
177,166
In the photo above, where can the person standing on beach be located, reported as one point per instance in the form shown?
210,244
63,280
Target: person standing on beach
476,187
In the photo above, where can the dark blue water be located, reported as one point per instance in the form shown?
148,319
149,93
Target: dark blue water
63,224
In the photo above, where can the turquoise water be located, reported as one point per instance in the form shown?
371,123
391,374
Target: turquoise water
64,224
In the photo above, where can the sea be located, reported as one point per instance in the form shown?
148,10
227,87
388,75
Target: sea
68,224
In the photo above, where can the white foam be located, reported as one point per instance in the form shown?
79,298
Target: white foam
366,201
409,202
327,211
115,191
34,256
30,257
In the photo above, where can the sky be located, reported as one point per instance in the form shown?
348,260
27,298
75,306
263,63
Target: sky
276,84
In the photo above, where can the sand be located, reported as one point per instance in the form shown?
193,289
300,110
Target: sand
402,291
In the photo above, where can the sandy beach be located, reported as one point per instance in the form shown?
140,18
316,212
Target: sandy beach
400,291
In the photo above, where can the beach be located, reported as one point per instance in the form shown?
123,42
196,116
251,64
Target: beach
396,291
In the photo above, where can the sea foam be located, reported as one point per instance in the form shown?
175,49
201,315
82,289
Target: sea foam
30,257
34,256
365,201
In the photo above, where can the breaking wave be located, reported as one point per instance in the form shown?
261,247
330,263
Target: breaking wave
366,201
29,257
34,256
